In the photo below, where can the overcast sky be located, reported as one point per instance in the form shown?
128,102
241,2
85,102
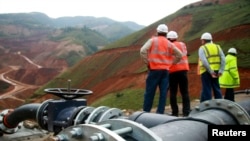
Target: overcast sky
143,12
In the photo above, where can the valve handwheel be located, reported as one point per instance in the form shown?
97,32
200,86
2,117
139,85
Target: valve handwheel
67,93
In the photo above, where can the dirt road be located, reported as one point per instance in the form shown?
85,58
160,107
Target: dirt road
18,86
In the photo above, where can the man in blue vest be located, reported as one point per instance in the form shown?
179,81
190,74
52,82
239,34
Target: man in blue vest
210,66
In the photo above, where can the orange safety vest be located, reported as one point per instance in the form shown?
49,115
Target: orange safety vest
183,64
160,54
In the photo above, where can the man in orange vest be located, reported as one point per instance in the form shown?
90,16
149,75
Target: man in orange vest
157,54
178,78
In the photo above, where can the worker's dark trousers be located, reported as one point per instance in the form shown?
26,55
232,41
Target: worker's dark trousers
179,80
209,84
156,78
229,94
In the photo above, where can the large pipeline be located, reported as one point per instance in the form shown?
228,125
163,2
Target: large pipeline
20,114
162,127
72,120
152,119
10,119
195,126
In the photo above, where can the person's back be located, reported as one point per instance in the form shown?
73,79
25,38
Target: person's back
230,78
157,54
183,64
211,66
178,78
159,45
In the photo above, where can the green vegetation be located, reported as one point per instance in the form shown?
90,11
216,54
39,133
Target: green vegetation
98,67
129,40
4,86
242,46
87,38
116,31
125,99
214,17
129,99
72,57
82,36
209,17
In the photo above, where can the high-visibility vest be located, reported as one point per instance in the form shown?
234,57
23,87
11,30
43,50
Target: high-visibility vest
230,77
159,54
183,64
213,57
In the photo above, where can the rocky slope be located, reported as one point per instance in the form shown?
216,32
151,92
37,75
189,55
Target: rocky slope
106,71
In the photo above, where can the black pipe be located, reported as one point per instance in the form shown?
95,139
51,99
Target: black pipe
246,91
182,128
20,114
195,126
246,105
150,119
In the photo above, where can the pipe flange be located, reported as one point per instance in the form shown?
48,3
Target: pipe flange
42,114
82,115
3,128
88,132
110,114
111,130
231,107
133,129
95,114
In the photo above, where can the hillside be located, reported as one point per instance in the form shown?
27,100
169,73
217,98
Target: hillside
68,39
54,44
105,26
118,70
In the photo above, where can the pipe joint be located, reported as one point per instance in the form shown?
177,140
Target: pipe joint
228,106
5,128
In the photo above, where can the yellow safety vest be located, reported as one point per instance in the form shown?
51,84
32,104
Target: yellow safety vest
230,77
212,52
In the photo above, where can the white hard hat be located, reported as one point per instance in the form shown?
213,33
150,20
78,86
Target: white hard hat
162,28
206,36
232,50
172,35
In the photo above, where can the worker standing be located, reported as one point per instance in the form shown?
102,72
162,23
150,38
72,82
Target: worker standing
210,65
178,78
230,78
157,54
